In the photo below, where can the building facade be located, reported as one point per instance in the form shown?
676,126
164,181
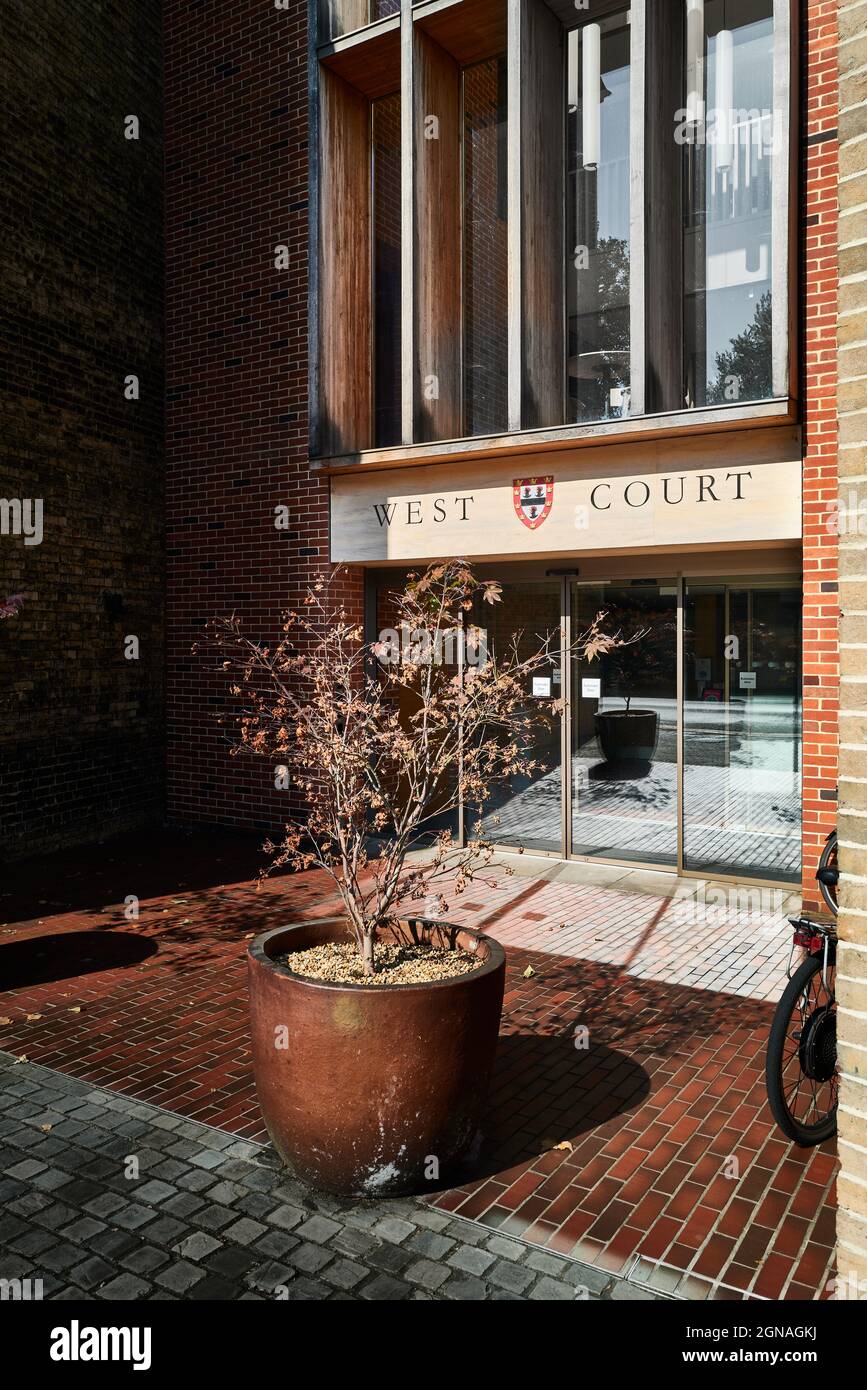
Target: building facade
550,287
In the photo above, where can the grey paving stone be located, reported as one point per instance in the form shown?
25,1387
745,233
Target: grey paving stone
244,1231
353,1242
393,1229
225,1193
383,1288
145,1259
427,1273
132,1216
287,1218
276,1244
345,1274
154,1192
165,1231
470,1260
24,1169
544,1263
106,1204
197,1246
271,1276
179,1277
183,1204
430,1244
83,1230
319,1229
552,1290
310,1258
581,1275
514,1277
505,1249
465,1288
91,1272
213,1218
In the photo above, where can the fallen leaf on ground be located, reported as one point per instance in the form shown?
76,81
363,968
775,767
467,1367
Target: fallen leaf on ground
31,1018
565,1145
76,1009
528,972
46,1129
22,1058
4,1021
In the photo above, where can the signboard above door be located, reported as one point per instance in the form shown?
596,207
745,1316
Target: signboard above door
708,490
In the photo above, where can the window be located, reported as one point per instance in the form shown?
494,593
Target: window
574,221
728,165
485,277
385,141
597,219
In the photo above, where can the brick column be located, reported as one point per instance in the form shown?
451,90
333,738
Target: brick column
818,300
852,394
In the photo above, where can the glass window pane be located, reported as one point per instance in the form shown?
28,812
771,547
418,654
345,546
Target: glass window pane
742,730
624,725
728,163
527,811
597,220
485,249
386,271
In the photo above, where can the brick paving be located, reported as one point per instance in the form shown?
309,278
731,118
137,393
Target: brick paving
210,1216
651,1153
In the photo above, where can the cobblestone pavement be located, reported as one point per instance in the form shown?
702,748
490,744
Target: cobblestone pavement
650,1155
210,1216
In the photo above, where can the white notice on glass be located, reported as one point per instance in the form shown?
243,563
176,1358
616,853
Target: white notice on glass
542,686
591,689
748,680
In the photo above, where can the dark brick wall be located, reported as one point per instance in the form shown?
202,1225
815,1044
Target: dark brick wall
236,426
81,306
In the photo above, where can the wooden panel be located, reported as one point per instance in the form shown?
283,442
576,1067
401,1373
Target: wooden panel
342,17
542,209
437,257
345,421
663,385
369,62
469,31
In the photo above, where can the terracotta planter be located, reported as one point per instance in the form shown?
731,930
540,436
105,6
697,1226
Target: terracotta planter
627,737
373,1081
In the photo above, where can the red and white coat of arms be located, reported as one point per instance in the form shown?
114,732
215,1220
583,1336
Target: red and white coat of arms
533,499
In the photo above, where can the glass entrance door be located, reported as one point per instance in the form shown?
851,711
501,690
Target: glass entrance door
742,729
624,725
528,811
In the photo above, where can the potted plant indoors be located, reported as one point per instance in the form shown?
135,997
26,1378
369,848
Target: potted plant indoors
630,735
374,1029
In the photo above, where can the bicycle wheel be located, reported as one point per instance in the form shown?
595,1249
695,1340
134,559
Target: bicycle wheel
801,1067
828,860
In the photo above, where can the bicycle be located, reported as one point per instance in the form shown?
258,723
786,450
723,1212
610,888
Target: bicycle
801,1064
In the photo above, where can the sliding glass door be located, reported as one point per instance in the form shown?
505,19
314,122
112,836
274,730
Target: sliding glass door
742,729
624,725
680,749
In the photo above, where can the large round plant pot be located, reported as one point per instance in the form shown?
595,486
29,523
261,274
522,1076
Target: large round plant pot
371,1089
627,737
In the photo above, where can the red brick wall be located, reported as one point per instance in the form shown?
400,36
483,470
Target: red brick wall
818,309
236,187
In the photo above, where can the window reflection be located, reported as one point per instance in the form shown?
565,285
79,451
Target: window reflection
597,220
728,132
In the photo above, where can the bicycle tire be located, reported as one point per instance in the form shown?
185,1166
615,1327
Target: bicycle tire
805,1136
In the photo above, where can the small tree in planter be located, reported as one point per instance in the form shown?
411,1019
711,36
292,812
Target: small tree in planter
379,742
630,734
